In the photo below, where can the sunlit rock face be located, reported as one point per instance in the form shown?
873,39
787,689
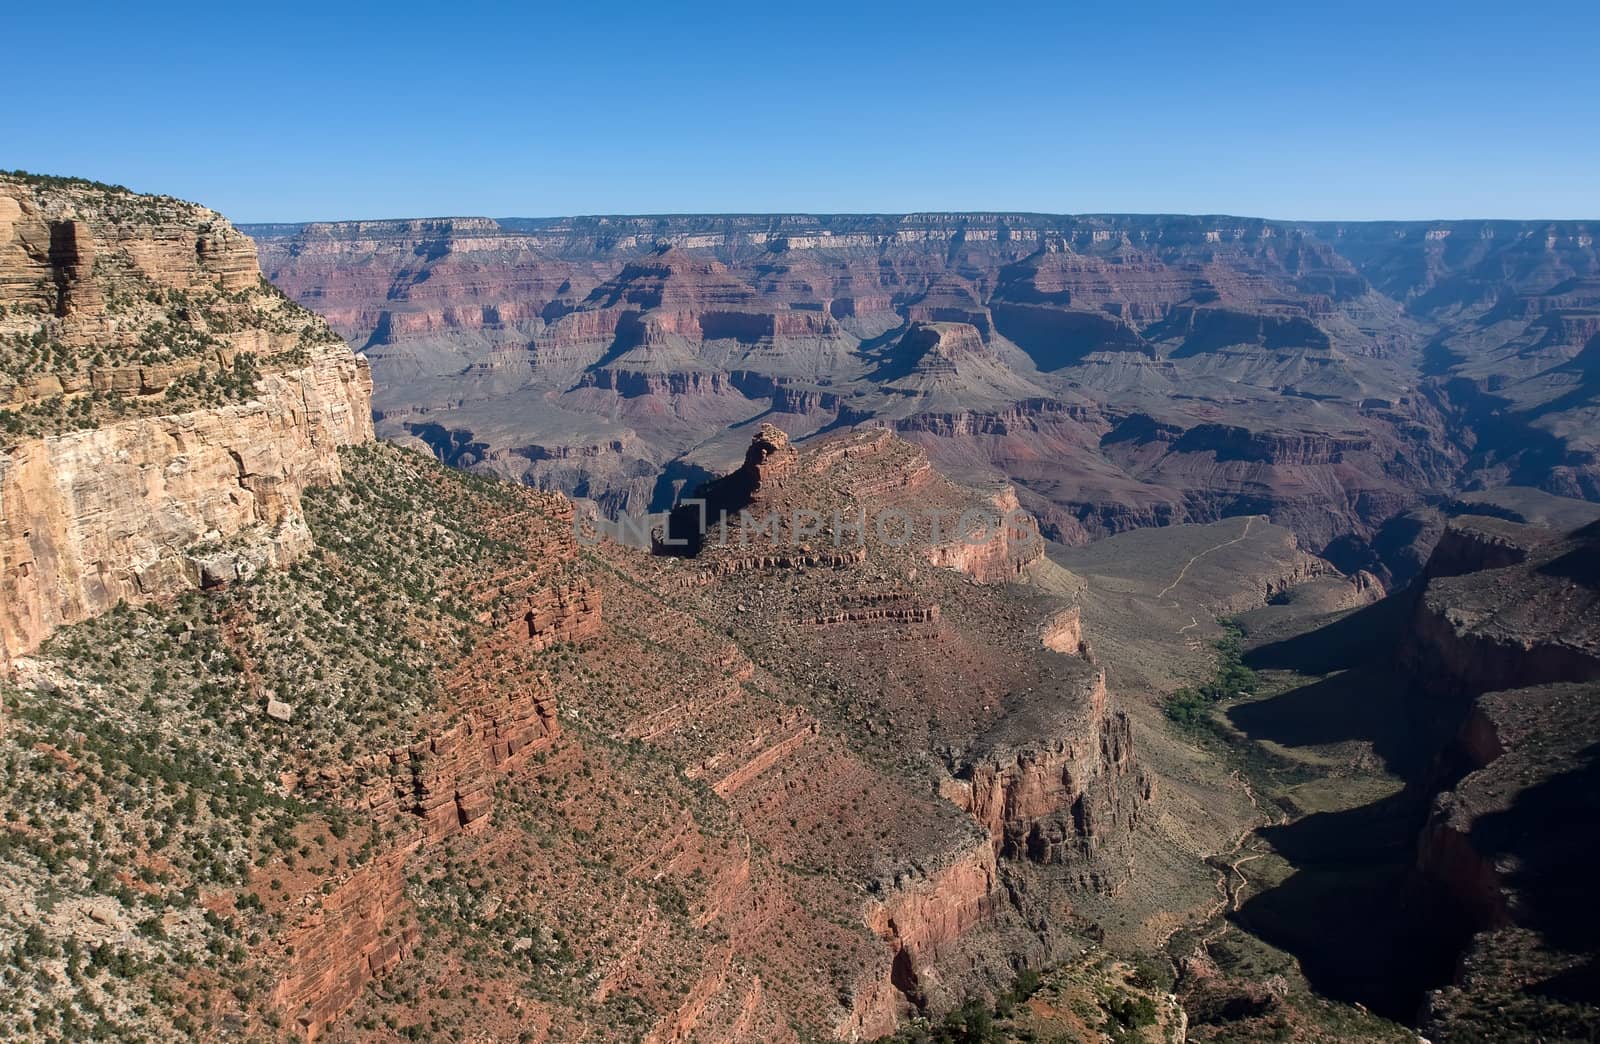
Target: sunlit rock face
165,439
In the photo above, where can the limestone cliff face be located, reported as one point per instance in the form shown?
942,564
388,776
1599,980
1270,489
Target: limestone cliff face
123,512
1062,632
167,436
922,915
1476,542
1469,637
443,783
55,239
1059,791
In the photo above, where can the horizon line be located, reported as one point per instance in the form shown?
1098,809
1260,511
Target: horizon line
888,214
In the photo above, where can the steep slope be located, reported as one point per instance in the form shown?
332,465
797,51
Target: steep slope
288,715
365,740
1510,618
1424,759
921,670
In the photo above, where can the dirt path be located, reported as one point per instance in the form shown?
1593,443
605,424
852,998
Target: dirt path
1231,882
1223,892
1248,522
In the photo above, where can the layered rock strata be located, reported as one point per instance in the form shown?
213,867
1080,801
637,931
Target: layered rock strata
143,507
1120,371
1509,623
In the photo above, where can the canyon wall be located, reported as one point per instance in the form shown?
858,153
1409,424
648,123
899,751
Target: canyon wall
1506,641
1119,371
923,918
354,935
1035,763
147,508
116,484
1054,788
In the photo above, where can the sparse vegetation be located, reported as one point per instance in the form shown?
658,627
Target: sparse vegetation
1097,996
1190,706
121,341
148,835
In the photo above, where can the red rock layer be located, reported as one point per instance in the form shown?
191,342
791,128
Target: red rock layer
353,935
921,918
1059,798
437,787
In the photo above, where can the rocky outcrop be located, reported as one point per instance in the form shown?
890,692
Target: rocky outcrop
1454,649
1475,543
1042,801
52,231
423,793
768,463
1507,634
1062,632
1229,442
1501,865
1465,877
923,914
162,501
882,614
442,784
1056,788
565,613
131,511
633,383
765,562
997,548
354,934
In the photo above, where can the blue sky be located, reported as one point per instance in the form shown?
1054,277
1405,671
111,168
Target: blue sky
272,111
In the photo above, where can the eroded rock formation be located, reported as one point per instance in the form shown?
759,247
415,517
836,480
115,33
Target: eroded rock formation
1509,622
357,933
137,508
1120,371
1058,790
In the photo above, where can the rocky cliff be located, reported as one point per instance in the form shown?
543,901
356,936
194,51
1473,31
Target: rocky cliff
1063,791
165,409
1036,761
1507,622
1533,620
451,770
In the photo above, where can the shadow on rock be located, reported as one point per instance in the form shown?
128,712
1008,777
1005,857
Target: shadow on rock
1363,638
1364,703
1346,913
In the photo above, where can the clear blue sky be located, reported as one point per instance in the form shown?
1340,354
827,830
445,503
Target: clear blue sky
1293,109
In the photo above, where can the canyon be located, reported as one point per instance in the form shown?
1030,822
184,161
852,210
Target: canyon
329,710
329,716
1118,371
